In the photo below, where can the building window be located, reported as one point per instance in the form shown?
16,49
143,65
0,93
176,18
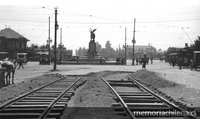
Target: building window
17,44
22,45
13,44
5,44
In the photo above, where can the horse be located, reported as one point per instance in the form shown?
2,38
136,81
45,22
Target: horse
10,68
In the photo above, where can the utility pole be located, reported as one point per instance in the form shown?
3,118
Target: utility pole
49,41
133,41
151,51
60,45
119,50
55,38
180,59
125,45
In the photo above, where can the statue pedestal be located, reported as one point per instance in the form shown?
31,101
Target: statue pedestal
92,54
92,51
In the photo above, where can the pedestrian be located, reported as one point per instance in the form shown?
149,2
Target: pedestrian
173,62
180,63
191,64
144,61
20,63
14,61
136,61
151,60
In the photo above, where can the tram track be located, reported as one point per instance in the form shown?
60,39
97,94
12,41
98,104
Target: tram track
135,100
46,102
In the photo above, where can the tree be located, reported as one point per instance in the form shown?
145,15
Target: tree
108,45
34,46
42,47
98,47
103,52
31,50
196,45
61,46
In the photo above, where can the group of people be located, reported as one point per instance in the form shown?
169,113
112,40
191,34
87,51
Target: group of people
140,60
18,62
144,61
120,60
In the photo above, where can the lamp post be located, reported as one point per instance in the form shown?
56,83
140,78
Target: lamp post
133,41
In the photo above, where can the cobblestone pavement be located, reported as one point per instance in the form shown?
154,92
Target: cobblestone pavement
184,76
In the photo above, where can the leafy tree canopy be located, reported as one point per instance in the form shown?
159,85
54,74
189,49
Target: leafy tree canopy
196,45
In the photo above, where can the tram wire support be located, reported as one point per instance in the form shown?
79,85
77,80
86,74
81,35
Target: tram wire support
133,41
55,39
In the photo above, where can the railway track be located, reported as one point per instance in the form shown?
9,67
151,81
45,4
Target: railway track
135,100
46,102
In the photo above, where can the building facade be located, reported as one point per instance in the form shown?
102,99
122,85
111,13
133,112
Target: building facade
12,43
140,50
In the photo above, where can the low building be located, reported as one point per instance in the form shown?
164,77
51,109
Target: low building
141,50
12,43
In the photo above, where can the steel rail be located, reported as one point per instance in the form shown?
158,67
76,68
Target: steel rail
159,97
46,112
128,111
26,94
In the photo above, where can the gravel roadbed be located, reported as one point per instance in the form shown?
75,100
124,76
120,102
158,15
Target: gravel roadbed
9,92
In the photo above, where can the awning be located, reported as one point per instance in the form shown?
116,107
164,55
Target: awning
42,53
173,54
3,52
21,53
196,51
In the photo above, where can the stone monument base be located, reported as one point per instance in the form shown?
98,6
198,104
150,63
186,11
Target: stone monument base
90,59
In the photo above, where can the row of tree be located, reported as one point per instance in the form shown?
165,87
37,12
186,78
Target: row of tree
111,52
34,48
108,51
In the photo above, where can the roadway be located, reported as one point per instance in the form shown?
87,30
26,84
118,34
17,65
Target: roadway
184,76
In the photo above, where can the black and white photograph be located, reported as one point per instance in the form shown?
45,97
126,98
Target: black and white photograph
100,59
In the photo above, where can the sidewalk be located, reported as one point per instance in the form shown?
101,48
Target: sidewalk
185,76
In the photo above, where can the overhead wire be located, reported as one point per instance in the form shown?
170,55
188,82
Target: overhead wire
21,20
187,35
112,21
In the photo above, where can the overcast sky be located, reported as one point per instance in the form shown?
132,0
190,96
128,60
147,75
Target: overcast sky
159,22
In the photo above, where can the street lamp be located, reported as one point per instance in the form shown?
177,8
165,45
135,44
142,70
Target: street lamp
133,60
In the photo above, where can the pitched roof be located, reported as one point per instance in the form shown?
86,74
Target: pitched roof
11,34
